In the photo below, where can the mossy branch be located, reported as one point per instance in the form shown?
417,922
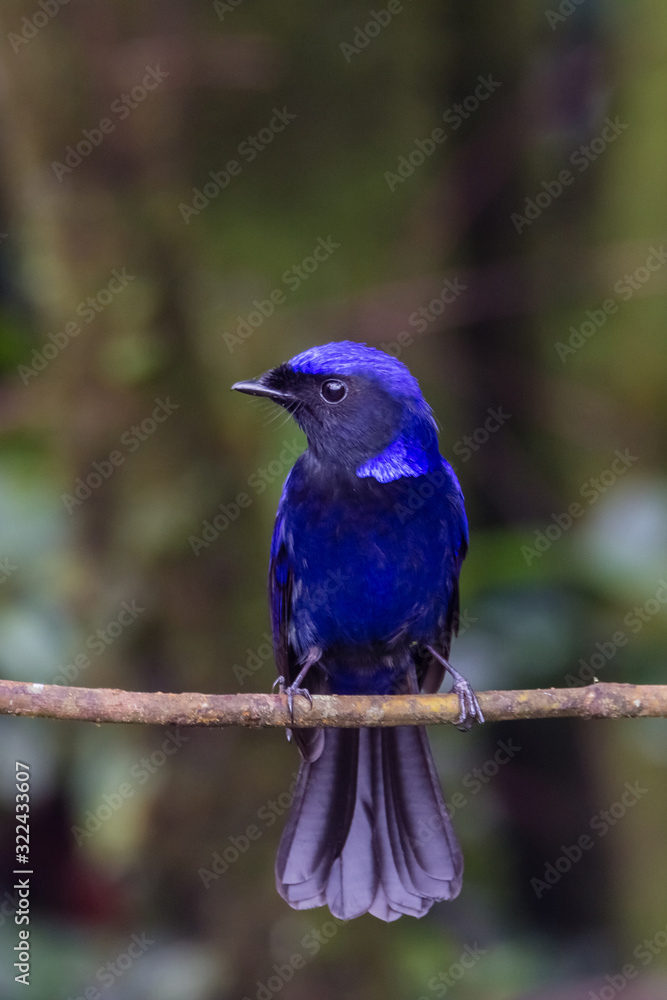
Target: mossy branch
51,701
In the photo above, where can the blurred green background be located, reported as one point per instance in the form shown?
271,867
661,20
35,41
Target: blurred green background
489,181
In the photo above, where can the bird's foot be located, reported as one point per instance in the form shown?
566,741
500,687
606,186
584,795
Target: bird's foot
291,691
470,710
311,657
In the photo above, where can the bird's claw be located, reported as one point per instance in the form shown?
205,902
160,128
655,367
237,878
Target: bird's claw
470,710
468,704
293,690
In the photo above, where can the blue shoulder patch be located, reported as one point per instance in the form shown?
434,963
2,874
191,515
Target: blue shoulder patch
396,461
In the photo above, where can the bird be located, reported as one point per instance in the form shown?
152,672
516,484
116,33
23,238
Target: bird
369,538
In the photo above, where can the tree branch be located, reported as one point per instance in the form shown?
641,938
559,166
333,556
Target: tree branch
51,701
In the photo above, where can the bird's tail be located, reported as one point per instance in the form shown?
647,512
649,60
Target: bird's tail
368,830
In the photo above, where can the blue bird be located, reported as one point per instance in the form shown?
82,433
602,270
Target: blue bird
368,543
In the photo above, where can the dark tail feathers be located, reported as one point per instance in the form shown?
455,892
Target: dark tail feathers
368,830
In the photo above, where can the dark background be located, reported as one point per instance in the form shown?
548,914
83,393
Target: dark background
548,596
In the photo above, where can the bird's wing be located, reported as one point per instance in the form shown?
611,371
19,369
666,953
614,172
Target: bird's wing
281,579
455,536
459,530
281,582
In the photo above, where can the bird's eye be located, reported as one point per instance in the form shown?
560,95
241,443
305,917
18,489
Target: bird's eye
333,391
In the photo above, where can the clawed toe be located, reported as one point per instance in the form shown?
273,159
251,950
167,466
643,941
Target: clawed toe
470,710
291,693
293,690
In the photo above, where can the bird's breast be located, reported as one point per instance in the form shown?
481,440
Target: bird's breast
368,565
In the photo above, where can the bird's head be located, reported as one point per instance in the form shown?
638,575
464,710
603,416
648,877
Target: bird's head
358,406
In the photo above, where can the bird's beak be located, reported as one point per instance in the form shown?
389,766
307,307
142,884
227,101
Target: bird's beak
258,387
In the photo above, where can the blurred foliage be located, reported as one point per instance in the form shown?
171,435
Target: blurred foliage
543,596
